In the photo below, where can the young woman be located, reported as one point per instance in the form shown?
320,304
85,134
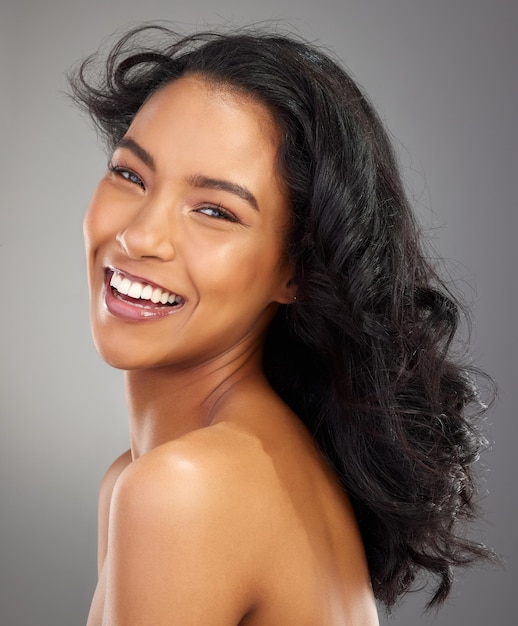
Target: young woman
299,439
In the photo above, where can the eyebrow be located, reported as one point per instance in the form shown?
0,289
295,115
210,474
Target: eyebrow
138,151
205,182
198,180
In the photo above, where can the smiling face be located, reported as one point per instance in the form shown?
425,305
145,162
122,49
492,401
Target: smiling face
185,233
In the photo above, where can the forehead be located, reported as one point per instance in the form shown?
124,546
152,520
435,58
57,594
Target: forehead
211,107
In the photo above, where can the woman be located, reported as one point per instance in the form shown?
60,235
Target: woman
299,439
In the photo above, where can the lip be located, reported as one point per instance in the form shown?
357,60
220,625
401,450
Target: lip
128,311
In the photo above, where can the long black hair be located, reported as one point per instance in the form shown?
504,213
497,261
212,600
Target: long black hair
364,357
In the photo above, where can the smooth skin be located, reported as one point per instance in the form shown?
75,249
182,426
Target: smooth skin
223,512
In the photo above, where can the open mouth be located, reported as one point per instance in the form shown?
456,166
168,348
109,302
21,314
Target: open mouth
140,293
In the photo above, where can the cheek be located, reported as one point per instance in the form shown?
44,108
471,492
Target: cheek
93,221
252,266
104,219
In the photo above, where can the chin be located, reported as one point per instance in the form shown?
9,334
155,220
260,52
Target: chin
118,354
115,358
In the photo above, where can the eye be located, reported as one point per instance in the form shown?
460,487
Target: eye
127,174
218,213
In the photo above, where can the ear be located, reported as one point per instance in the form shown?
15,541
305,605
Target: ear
287,292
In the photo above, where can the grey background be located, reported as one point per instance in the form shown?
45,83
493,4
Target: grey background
442,74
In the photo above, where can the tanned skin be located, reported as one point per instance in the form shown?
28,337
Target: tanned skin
223,512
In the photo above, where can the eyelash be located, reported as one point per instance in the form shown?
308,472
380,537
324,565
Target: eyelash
223,213
133,178
126,174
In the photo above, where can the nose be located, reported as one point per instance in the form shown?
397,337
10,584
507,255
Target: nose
149,234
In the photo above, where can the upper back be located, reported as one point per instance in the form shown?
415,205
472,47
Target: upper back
313,568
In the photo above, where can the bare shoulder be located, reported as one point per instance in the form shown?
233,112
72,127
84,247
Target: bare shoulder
211,459
217,477
180,524
228,525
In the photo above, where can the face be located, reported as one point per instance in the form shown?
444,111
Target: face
185,233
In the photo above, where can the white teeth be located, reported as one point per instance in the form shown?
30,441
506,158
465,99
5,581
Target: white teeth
138,291
124,287
135,290
115,280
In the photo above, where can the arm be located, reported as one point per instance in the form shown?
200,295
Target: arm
177,552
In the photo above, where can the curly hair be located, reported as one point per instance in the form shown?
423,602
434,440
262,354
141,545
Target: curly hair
364,357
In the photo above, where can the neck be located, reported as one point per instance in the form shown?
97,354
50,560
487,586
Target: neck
167,402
